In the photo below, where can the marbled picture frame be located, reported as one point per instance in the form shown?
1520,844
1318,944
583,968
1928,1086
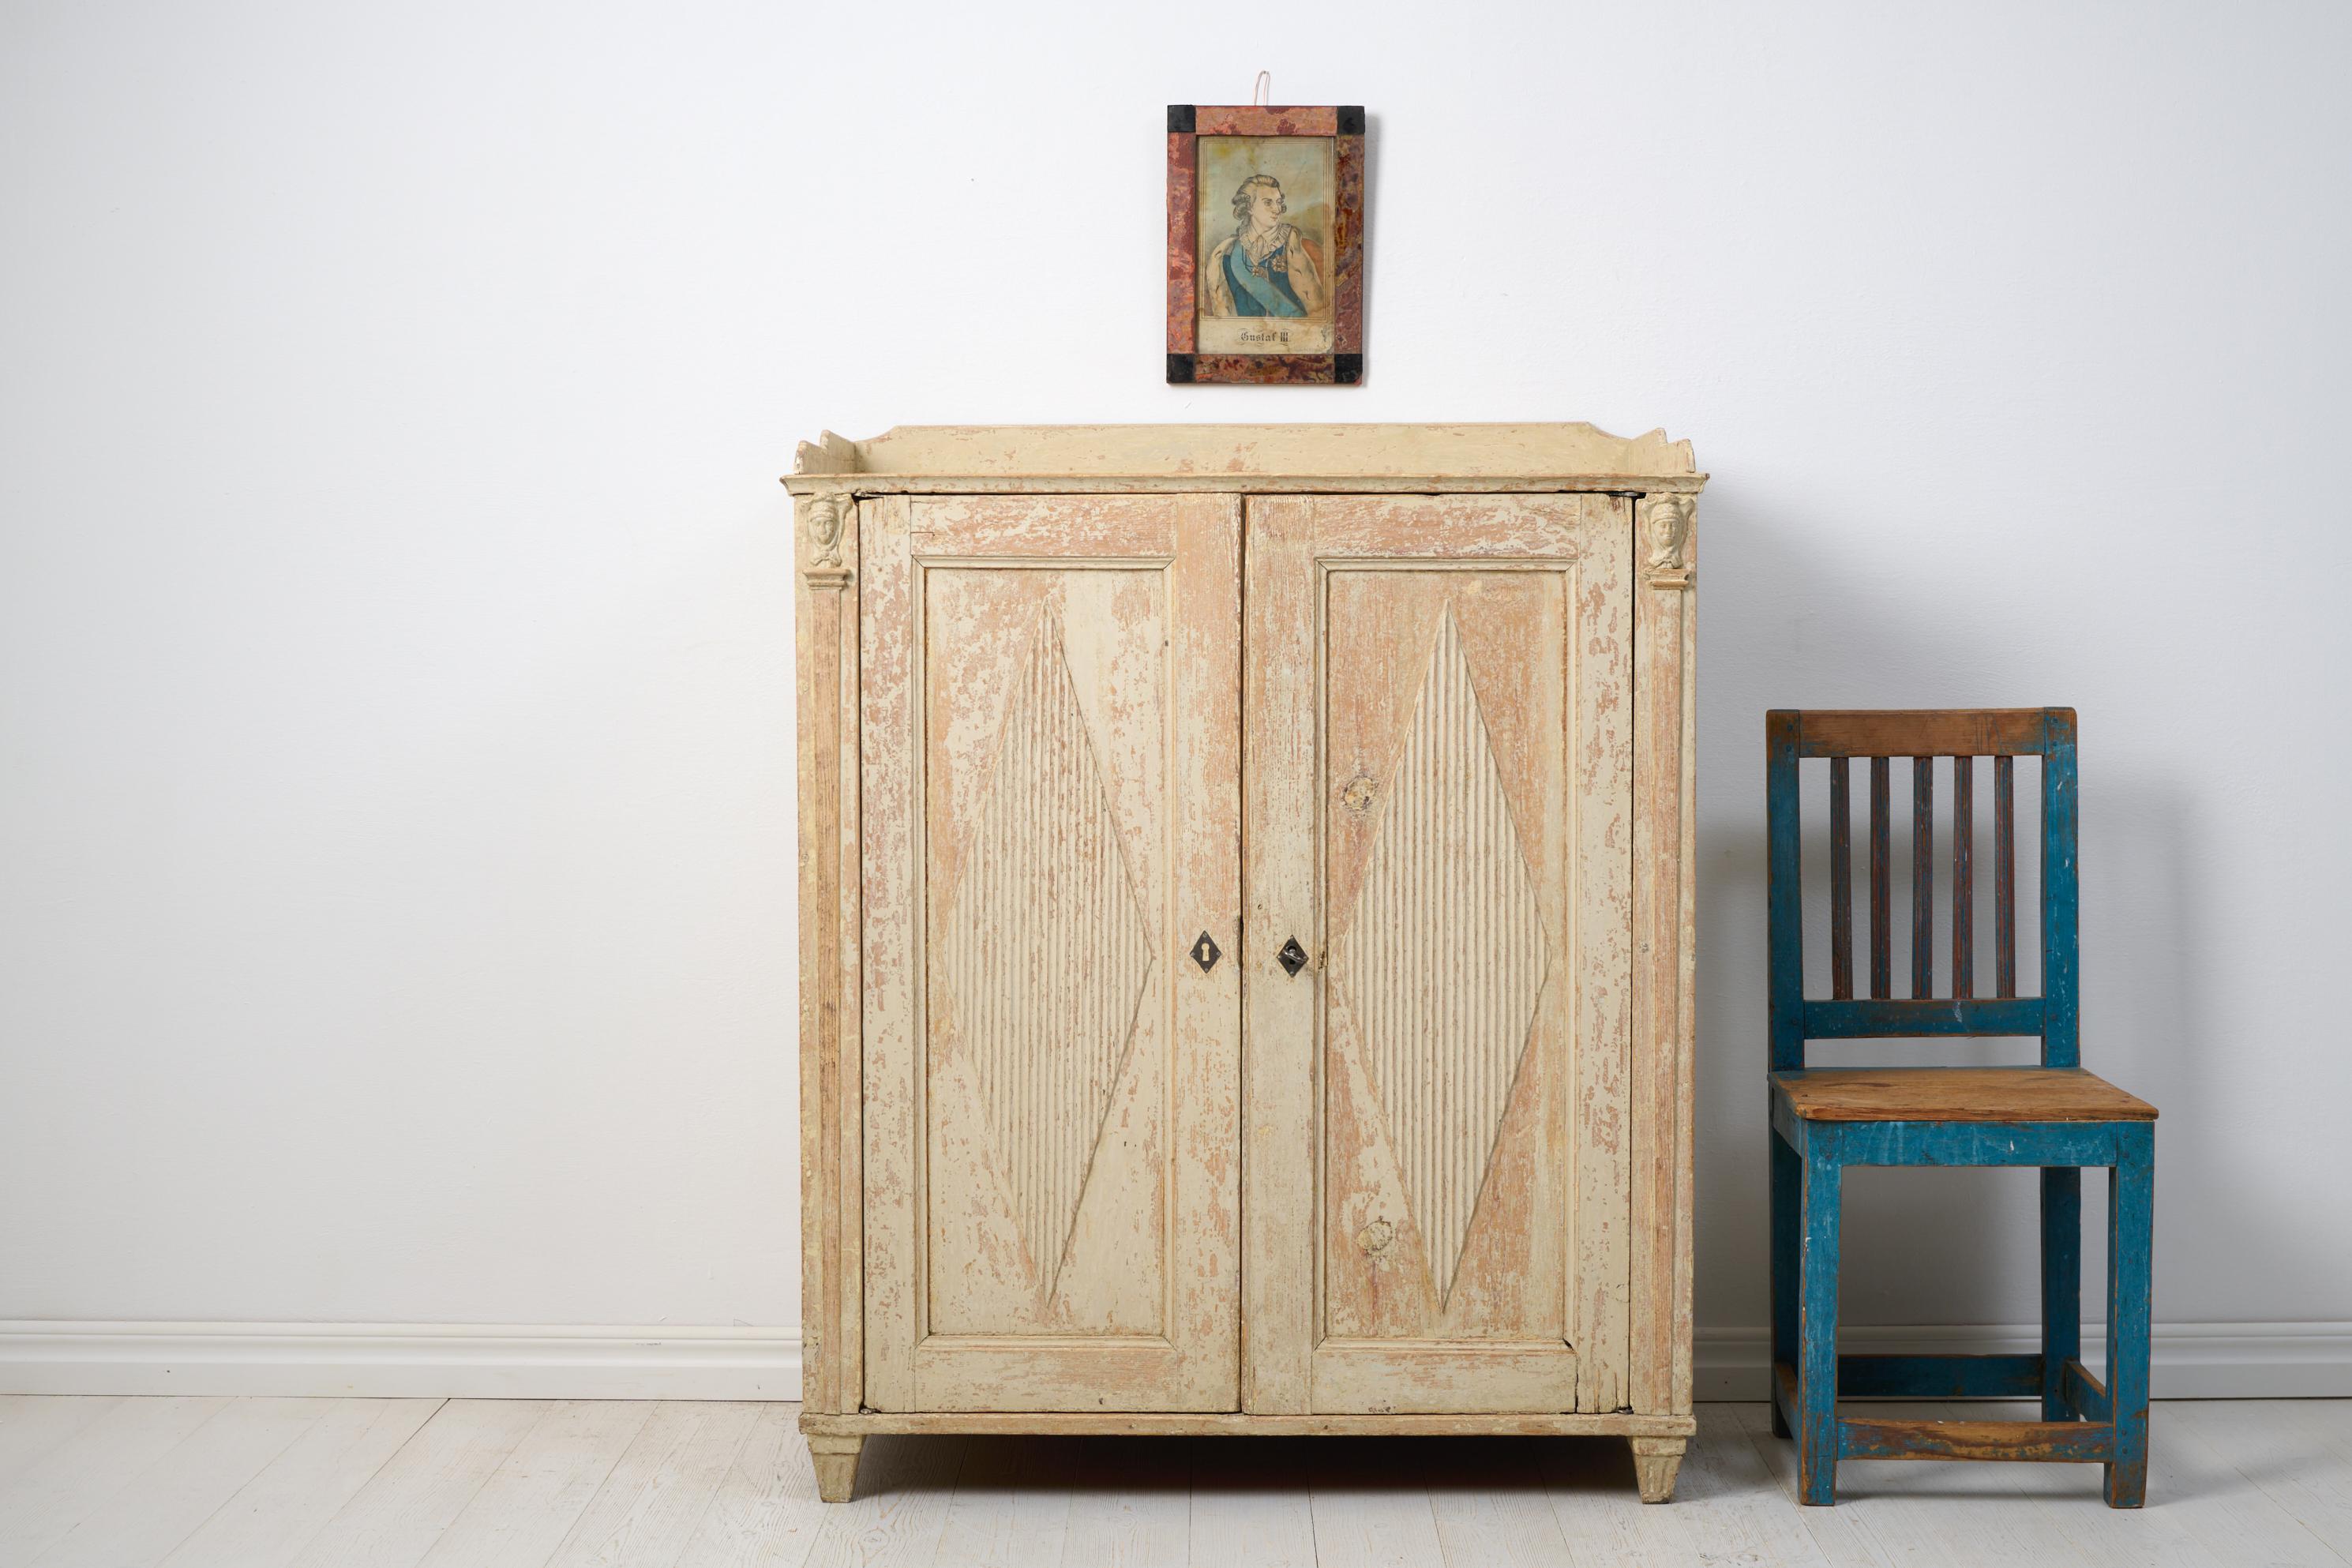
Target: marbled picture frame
1265,244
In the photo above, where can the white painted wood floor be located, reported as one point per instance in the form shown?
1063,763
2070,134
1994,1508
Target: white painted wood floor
399,1483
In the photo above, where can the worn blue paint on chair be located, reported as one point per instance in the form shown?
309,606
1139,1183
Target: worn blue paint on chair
2081,1420
2062,1283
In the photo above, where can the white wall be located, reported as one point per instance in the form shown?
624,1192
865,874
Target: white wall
395,825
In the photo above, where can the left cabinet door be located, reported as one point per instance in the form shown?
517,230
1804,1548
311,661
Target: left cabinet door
1050,780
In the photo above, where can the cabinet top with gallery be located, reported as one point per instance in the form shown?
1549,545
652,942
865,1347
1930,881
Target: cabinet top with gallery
914,459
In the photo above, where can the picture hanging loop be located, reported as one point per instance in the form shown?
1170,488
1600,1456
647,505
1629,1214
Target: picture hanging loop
1261,89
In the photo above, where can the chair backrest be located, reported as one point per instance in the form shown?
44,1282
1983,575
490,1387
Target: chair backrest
2003,734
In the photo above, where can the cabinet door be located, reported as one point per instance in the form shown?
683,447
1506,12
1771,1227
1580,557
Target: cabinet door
1051,772
1438,773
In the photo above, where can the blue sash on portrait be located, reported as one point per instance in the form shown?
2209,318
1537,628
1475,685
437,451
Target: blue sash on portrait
1260,296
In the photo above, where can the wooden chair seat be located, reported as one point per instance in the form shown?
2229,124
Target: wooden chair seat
1956,1094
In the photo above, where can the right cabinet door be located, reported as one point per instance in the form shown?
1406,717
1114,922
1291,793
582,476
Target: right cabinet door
1438,898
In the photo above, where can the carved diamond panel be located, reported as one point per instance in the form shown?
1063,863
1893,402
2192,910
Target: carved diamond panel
1046,953
1443,956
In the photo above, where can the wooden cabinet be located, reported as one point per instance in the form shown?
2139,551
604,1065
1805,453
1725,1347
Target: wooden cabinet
1246,932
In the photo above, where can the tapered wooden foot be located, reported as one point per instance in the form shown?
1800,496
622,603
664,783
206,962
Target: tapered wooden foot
1655,1460
836,1466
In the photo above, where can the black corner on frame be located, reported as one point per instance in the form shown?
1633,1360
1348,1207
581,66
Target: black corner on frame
1179,117
1347,369
1179,369
1351,120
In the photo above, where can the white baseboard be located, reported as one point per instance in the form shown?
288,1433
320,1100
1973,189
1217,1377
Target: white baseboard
477,1361
2186,1361
472,1360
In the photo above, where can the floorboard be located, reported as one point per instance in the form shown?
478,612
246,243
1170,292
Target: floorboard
1130,1504
31,1424
422,1483
1486,1499
161,1506
1589,1483
1914,1510
47,1498
267,1521
2216,1504
2278,1447
904,1487
647,1510
393,1520
1248,1509
1729,1506
1370,1502
1836,1534
1011,1505
526,1508
765,1511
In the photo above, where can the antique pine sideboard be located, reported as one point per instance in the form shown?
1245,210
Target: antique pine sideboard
1246,932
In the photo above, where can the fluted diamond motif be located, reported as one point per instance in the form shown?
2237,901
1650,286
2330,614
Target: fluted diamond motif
1045,953
1443,956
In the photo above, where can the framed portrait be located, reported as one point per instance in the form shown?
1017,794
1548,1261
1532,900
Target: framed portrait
1265,244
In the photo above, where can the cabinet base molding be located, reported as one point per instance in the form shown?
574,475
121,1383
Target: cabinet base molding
1667,1431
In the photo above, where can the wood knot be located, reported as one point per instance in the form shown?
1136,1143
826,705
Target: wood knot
1374,1238
1357,797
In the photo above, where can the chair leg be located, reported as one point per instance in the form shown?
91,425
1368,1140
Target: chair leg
1817,1368
2131,1236
1786,1177
2062,1283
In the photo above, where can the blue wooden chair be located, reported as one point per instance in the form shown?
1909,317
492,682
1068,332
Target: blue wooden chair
2055,1116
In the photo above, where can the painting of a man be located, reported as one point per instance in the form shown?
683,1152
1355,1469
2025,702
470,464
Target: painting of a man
1266,270
1265,267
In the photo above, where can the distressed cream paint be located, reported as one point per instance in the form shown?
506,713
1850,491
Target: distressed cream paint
1084,707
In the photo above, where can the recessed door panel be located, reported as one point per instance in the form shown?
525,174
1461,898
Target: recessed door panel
1446,870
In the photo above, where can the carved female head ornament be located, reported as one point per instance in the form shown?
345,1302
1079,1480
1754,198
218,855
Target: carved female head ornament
1668,531
824,515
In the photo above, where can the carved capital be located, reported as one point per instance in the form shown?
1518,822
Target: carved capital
1665,540
824,517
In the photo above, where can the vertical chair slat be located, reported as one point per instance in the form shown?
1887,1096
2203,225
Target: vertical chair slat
1841,884
1882,984
1964,891
1923,876
2061,1022
1785,907
2004,876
